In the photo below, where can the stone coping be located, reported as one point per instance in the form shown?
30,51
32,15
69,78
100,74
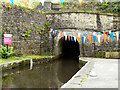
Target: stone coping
23,62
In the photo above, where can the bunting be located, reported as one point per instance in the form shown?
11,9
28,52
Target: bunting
25,2
12,1
61,1
104,36
89,37
99,36
84,37
94,37
117,35
69,36
74,35
112,36
81,37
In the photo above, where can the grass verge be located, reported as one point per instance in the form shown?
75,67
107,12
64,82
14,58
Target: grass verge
13,58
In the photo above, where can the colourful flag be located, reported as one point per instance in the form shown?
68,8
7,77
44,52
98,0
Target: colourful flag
25,2
117,35
12,1
112,36
42,1
82,39
83,34
74,35
94,36
69,36
80,2
59,34
89,37
55,33
104,36
78,39
61,1
50,30
99,36
63,36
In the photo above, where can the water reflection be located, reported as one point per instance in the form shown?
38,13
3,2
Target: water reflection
43,75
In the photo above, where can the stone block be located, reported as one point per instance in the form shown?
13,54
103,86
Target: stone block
112,54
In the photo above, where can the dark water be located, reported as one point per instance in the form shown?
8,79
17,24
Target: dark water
48,75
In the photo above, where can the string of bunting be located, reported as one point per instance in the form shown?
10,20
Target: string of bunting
82,37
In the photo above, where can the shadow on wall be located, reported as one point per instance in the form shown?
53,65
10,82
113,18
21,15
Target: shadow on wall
68,49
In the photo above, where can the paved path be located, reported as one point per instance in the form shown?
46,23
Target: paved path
101,73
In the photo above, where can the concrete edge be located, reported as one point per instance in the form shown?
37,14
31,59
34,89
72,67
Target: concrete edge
78,73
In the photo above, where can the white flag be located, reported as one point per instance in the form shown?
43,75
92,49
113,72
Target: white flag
75,38
99,36
42,1
109,31
65,35
101,1
117,35
84,39
59,36
78,34
94,33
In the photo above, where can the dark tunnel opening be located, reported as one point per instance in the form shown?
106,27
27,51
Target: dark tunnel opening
69,49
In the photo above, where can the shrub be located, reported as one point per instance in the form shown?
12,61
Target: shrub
4,53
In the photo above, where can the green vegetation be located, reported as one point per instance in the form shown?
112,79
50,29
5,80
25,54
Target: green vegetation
13,58
109,7
26,33
6,53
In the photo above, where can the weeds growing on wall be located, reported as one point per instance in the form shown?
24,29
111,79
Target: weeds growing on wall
26,33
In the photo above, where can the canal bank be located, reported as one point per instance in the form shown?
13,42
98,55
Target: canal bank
97,73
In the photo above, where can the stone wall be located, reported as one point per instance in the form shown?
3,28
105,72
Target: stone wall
27,27
81,21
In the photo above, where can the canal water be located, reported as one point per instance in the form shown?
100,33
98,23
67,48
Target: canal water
47,75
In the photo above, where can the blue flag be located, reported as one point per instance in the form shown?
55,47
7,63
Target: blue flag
71,38
69,34
63,37
98,33
82,39
52,32
61,1
57,34
111,35
83,34
94,37
12,1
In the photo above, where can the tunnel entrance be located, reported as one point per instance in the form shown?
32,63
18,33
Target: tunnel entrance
69,57
69,49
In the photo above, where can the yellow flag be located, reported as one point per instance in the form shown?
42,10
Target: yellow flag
25,2
80,2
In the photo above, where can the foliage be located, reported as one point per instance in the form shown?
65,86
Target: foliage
109,7
26,33
5,53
